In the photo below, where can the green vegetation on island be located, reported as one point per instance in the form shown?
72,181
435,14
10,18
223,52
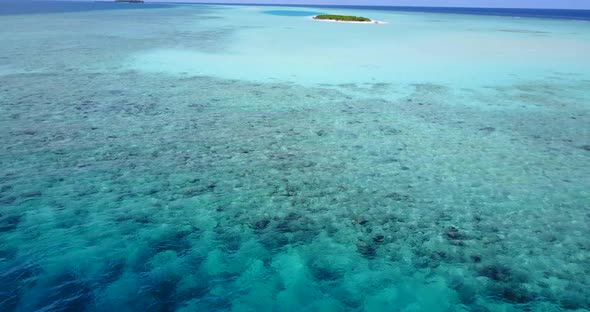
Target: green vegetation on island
344,18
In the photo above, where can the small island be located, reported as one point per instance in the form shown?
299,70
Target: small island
345,19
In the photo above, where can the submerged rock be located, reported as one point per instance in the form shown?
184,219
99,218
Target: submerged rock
366,249
514,293
476,258
453,233
487,129
9,223
360,220
324,271
199,190
260,224
274,242
378,238
498,273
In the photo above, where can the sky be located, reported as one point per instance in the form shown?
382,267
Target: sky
559,4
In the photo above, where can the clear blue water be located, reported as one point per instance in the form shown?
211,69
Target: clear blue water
535,13
291,13
12,7
219,158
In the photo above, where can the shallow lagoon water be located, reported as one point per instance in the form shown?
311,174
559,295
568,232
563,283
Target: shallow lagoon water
291,13
217,158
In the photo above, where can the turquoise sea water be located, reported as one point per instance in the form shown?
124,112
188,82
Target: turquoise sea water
224,158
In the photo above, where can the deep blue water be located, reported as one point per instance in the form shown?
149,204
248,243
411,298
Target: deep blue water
537,13
12,7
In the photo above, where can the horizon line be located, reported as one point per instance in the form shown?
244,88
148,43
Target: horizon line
347,5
